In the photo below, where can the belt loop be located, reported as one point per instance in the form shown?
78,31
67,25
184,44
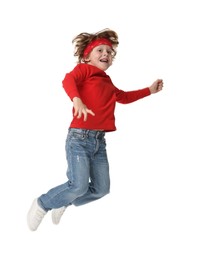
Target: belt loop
87,133
97,134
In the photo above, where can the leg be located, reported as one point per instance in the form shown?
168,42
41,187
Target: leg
99,184
63,195
78,176
99,174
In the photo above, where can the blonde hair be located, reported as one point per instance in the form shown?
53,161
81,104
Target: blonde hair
83,39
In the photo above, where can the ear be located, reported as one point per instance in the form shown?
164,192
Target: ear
86,59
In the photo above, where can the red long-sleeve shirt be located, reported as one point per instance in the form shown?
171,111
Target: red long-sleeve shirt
99,94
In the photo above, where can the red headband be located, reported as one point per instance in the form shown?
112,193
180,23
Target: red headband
93,44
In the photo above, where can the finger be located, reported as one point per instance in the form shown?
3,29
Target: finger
79,114
75,112
158,81
161,82
85,115
90,112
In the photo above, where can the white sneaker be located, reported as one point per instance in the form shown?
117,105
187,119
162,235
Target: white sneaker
57,214
35,215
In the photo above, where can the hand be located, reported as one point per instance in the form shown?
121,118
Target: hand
156,86
80,109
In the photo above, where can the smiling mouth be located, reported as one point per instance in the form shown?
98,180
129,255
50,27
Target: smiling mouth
105,61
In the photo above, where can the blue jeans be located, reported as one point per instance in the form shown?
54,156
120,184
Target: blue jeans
87,173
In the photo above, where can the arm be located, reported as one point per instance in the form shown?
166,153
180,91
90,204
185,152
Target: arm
126,97
70,83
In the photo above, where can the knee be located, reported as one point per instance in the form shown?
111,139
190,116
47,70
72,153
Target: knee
79,190
102,192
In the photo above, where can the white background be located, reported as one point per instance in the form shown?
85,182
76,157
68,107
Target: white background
152,211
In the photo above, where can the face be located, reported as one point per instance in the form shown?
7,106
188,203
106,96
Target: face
100,57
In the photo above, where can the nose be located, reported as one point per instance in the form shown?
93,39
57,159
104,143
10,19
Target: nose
105,53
